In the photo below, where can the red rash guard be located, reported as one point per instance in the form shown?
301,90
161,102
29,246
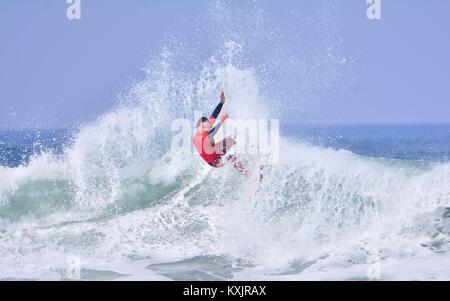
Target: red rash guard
204,143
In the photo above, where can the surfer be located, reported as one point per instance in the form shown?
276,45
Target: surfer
215,153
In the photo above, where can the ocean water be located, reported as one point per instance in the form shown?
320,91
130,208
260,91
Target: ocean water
339,197
110,200
404,142
17,147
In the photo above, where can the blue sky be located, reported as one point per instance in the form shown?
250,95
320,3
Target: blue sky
57,73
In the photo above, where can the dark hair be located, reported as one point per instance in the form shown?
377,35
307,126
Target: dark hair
201,120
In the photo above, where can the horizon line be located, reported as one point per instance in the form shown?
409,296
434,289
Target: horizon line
281,124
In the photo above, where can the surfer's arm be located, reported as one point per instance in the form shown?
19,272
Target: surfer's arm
214,131
217,110
216,113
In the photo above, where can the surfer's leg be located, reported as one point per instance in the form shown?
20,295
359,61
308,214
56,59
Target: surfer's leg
223,147
237,164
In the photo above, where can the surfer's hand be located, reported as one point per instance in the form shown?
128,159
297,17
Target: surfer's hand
224,118
222,97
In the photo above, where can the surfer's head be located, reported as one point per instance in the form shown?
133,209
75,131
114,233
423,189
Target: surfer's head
203,125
